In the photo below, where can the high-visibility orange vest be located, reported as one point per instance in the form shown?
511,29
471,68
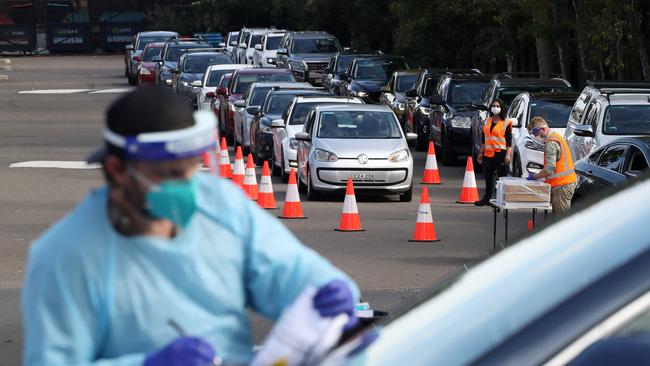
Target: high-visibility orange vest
495,138
564,173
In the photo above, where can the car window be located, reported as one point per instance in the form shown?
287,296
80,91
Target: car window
310,122
301,110
636,161
429,87
215,76
255,39
258,96
627,120
556,112
198,64
315,45
579,106
150,52
358,125
277,103
272,43
232,37
593,158
225,79
514,108
405,82
592,116
464,93
612,158
487,96
144,41
243,81
378,69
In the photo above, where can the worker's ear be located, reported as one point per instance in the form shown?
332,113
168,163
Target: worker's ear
115,169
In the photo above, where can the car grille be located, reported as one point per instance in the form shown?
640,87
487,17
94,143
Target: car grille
316,66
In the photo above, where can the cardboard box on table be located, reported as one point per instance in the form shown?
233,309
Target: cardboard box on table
519,190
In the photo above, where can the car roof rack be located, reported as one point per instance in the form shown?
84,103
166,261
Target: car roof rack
207,49
531,74
452,71
620,86
177,39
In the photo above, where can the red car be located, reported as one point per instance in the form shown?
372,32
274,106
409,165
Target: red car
239,81
146,67
215,104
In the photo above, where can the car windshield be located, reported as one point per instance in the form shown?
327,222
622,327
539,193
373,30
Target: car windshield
300,111
215,76
429,85
378,69
556,113
508,94
358,125
343,63
627,120
144,41
406,82
150,52
259,94
315,45
225,80
174,53
272,43
243,81
256,39
198,64
464,93
232,37
277,103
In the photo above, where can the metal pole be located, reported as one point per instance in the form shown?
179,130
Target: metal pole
34,36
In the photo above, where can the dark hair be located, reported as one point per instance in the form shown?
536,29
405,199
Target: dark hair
504,108
146,109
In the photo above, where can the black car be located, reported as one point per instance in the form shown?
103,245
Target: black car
307,54
451,111
338,66
392,95
506,86
274,105
187,78
417,106
611,165
366,76
171,54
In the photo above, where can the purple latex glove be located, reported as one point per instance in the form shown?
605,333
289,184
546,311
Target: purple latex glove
334,298
531,176
184,351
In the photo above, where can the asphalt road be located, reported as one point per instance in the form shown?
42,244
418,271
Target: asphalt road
66,127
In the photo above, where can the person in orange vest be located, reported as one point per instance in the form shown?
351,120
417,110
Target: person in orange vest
495,152
558,165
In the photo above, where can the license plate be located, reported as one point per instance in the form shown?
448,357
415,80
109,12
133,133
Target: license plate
368,177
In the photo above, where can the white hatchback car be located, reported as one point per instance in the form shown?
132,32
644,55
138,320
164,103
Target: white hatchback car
358,141
210,82
285,146
265,53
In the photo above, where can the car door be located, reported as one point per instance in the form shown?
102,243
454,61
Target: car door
636,163
304,147
279,134
581,146
608,170
576,115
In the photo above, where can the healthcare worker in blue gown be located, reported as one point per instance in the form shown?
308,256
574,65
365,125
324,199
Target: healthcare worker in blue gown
163,244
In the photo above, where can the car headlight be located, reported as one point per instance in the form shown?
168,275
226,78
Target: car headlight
270,60
426,111
144,71
322,155
446,115
399,156
266,129
297,65
358,93
532,145
293,144
461,122
185,84
401,106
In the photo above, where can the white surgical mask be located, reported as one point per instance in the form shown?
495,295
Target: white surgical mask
540,139
495,110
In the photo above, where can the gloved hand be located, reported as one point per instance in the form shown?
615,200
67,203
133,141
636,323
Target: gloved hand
184,351
335,298
531,176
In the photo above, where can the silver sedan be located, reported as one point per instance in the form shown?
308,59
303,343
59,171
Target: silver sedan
362,142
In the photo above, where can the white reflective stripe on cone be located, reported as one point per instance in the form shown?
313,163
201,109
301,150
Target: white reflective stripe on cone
266,186
424,214
239,167
431,163
470,180
350,205
225,159
292,193
250,178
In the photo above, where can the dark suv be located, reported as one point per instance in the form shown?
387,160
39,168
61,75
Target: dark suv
506,86
338,66
307,54
366,76
417,106
451,111
171,54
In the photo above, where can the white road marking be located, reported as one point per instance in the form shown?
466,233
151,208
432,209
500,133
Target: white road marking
4,77
5,60
80,165
110,91
55,91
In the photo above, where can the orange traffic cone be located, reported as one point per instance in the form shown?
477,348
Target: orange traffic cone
292,207
350,219
210,157
266,199
424,229
225,170
469,193
431,173
239,171
250,180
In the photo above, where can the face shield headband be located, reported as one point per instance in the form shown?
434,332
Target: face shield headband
169,145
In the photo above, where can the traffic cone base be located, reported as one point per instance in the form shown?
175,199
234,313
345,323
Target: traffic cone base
469,192
350,219
425,231
431,173
265,197
292,208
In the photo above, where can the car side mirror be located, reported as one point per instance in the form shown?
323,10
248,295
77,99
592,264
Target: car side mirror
243,45
282,51
128,47
258,47
137,58
222,90
233,43
411,136
210,95
386,89
156,59
515,122
253,110
239,103
197,83
389,97
222,45
277,123
436,99
174,70
584,131
168,82
303,136
411,93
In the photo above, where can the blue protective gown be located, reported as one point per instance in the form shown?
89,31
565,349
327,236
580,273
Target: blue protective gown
95,297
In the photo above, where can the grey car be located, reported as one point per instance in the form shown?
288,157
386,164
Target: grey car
191,68
362,142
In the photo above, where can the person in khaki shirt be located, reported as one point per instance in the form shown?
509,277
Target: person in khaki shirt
558,165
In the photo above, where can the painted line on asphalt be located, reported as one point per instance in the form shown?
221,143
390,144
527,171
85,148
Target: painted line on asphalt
4,77
53,164
5,61
55,91
112,91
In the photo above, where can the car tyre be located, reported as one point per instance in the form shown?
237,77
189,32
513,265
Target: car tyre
406,196
312,194
275,170
283,170
448,157
516,167
302,188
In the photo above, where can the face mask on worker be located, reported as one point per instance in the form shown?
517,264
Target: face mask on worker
495,110
536,133
173,200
